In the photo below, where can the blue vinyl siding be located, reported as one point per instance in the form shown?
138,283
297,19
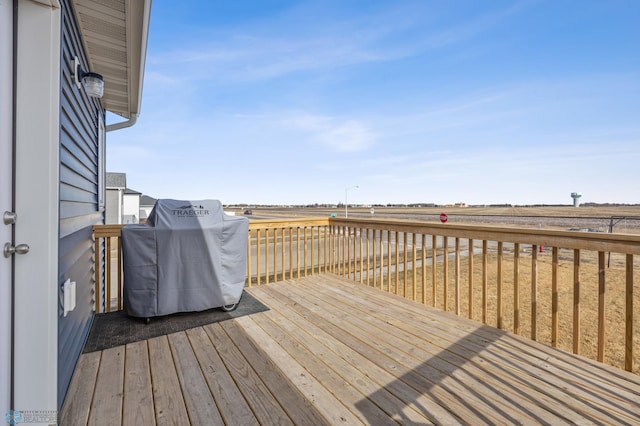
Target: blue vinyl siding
78,208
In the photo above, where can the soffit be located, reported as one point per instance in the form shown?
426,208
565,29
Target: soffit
114,34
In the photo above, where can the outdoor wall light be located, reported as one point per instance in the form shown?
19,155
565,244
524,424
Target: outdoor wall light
92,82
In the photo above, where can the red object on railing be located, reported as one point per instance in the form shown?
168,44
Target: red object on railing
443,217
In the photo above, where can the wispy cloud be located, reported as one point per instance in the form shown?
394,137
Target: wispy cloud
340,135
260,53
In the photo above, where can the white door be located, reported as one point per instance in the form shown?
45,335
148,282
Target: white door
6,191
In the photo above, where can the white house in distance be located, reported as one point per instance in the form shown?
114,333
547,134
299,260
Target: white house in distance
146,205
63,65
123,204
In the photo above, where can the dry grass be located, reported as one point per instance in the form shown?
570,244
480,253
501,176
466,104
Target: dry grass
588,299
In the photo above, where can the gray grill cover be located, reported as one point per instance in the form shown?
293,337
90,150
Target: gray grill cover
189,256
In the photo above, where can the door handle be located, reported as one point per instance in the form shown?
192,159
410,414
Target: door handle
9,218
10,250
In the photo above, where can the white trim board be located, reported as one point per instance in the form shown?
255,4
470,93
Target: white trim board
36,193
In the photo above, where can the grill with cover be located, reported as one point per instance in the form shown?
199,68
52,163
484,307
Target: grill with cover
189,256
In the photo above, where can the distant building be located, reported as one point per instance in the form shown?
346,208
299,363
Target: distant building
146,205
123,204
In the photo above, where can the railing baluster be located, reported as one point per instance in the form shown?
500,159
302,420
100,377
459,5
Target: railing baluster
120,280
534,292
290,252
516,288
470,278
397,272
360,240
499,290
415,266
275,255
628,335
282,255
389,261
96,295
258,250
368,244
405,248
445,264
107,304
249,259
601,305
334,230
424,269
266,255
375,254
576,301
554,297
319,249
313,249
325,256
457,275
485,280
434,264
304,236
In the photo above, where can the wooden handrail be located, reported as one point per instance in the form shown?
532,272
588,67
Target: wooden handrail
416,260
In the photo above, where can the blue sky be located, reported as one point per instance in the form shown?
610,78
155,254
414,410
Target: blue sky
291,102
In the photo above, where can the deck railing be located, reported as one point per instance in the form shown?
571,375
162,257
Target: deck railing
572,290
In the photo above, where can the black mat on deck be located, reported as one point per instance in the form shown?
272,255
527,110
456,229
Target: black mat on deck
117,328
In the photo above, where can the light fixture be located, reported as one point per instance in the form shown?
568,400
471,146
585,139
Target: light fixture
92,82
346,202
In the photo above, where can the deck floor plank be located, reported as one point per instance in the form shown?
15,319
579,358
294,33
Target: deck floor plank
440,370
312,388
232,405
596,399
548,394
386,351
337,357
138,405
565,361
78,405
200,404
169,403
361,359
106,407
300,409
332,351
264,405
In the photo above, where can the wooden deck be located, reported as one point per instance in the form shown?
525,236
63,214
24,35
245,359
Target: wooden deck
333,352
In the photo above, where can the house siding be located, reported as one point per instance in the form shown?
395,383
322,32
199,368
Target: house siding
78,208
